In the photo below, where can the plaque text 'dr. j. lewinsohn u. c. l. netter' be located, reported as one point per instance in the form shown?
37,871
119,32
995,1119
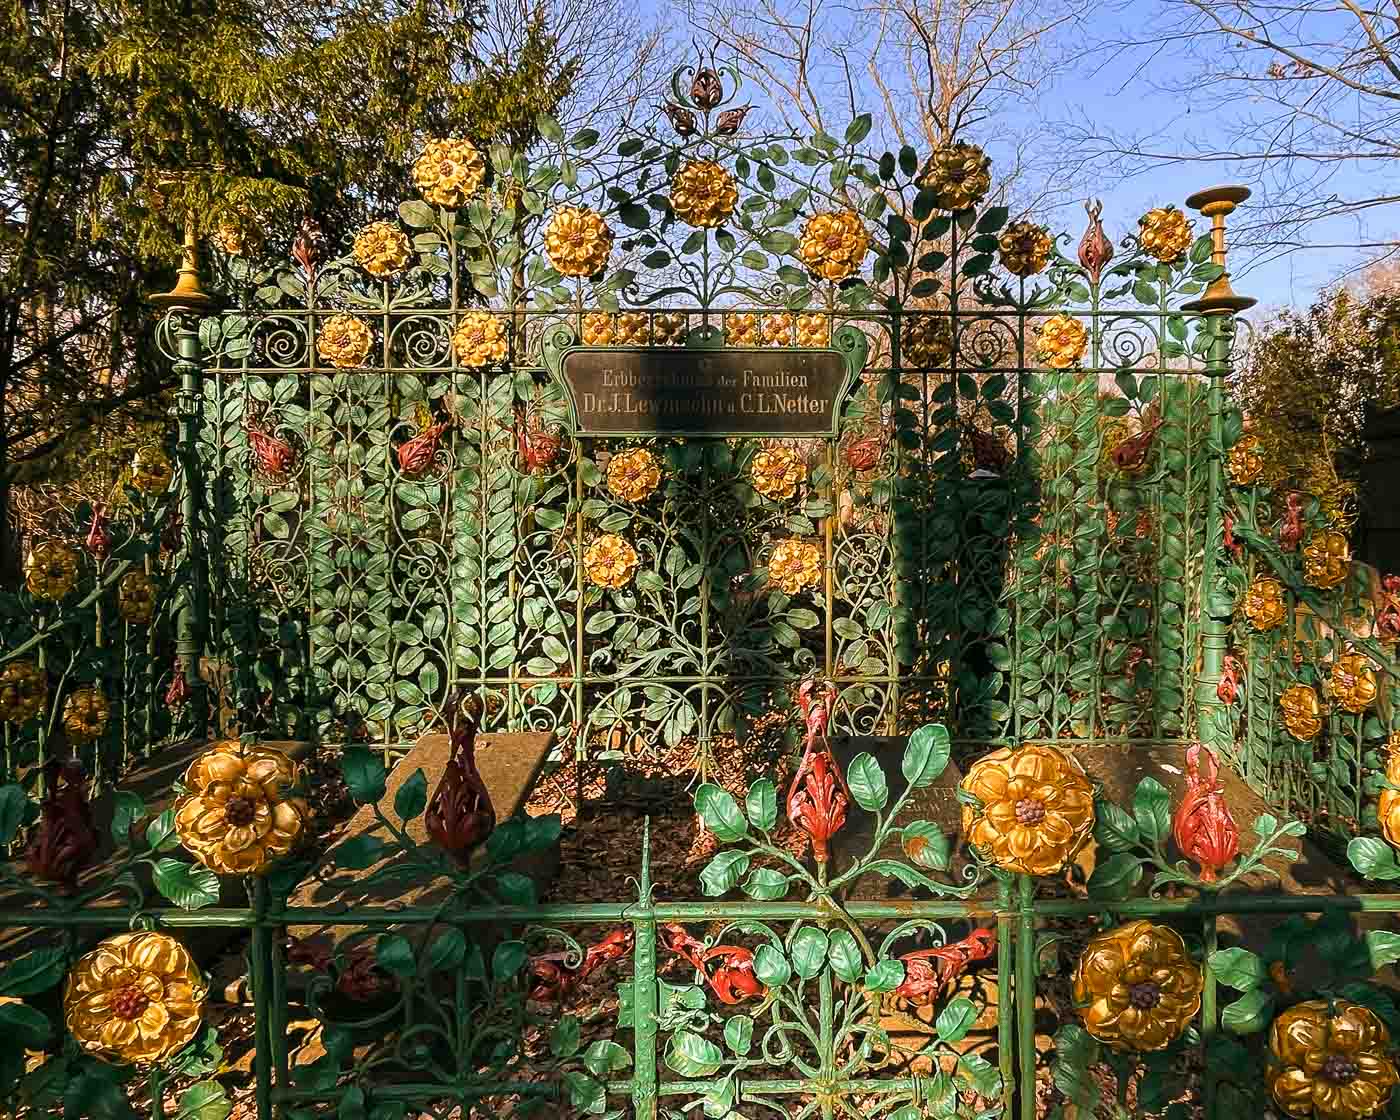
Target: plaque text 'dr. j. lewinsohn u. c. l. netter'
705,392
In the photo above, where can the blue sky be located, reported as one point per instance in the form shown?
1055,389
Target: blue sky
1111,90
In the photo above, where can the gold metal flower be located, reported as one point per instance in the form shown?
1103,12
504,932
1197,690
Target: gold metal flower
578,241
449,171
777,329
85,715
1037,808
795,564
1353,683
928,340
344,341
24,690
1136,988
381,249
51,570
633,329
1388,809
610,561
960,175
151,471
813,330
1330,1060
136,597
741,328
1165,233
703,194
480,339
1264,604
834,243
239,814
1062,342
135,998
668,329
1025,248
599,328
634,475
1326,559
777,472
1246,461
1302,711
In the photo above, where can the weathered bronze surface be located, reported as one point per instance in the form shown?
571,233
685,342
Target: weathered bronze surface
705,392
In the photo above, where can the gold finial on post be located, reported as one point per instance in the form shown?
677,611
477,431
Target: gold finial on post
1215,203
188,293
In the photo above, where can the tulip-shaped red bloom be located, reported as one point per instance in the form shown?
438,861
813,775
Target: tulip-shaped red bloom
552,977
1233,546
1388,615
1203,828
417,454
99,537
178,694
538,447
929,972
1290,530
818,797
1230,680
1131,454
1095,249
272,455
66,839
460,816
733,979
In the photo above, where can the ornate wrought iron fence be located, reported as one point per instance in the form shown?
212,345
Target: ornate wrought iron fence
1012,526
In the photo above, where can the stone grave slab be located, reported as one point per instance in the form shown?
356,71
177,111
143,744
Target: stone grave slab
510,765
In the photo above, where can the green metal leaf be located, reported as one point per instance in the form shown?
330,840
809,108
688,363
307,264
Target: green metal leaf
12,802
127,809
738,1034
1373,858
867,783
508,959
771,966
1115,877
690,1055
1114,827
926,755
1238,968
565,1037
885,976
33,973
722,874
187,886
1152,809
956,1019
845,956
412,797
585,1094
926,844
1382,947
359,852
766,884
720,813
1252,1012
762,805
393,952
809,952
204,1100
364,774
604,1057
448,951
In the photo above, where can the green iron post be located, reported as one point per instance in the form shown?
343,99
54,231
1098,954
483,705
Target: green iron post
189,303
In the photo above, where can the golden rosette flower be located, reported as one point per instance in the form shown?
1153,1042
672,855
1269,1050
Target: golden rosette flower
381,249
24,689
795,564
135,998
1136,988
1062,342
1264,604
1025,248
928,340
449,171
1326,559
1165,233
1353,683
960,175
85,715
151,471
834,244
479,340
634,475
668,329
599,327
777,472
578,241
1388,810
51,570
610,561
1302,711
1245,462
1330,1060
1037,808
741,329
239,814
136,598
777,329
703,194
633,329
344,341
813,330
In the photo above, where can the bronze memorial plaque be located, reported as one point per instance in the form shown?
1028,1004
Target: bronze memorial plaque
729,392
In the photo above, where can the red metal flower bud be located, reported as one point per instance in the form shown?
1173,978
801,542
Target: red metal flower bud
988,452
1230,680
1388,612
930,972
99,537
863,452
417,454
272,455
1132,453
66,839
682,119
538,447
731,120
1203,828
707,89
818,796
1290,530
553,978
734,980
1233,546
178,694
460,816
362,979
1095,250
